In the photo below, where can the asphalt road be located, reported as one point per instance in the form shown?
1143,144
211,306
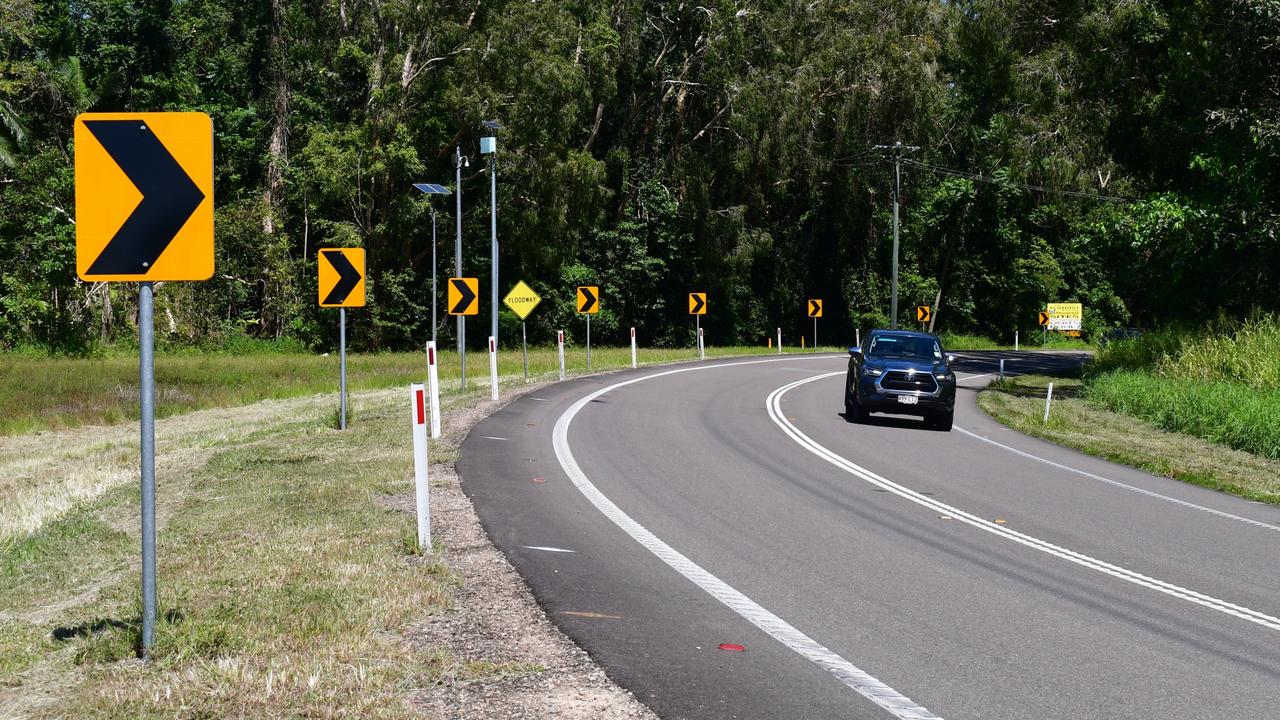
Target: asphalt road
871,571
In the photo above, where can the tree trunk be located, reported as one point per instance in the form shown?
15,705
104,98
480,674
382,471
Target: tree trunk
277,146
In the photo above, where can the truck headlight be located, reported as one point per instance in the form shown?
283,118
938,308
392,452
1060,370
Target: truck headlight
874,372
945,377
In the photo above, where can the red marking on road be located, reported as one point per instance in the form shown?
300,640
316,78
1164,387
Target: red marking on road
539,480
421,409
731,647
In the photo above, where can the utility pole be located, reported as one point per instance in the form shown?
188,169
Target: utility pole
898,149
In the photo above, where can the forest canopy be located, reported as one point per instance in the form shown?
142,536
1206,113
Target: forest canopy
1120,153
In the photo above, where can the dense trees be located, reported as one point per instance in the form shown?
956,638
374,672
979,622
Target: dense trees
1120,153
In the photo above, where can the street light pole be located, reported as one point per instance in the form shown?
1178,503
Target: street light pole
489,146
898,148
458,161
433,273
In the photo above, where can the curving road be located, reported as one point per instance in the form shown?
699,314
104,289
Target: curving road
871,571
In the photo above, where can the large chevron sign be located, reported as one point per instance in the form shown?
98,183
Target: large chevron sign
144,196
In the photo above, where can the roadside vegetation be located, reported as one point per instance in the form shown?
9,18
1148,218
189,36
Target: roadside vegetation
1221,384
1202,406
1055,341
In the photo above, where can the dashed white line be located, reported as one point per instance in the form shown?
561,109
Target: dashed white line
775,413
897,704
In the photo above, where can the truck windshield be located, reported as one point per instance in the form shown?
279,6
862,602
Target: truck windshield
888,346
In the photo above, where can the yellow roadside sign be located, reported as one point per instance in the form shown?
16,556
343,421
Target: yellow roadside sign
1065,316
698,303
522,300
588,299
1044,318
924,313
815,308
144,196
341,277
463,297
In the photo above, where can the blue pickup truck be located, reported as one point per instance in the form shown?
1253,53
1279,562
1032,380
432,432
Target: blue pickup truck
901,372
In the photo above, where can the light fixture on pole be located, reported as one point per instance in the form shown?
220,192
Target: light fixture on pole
432,189
460,161
489,146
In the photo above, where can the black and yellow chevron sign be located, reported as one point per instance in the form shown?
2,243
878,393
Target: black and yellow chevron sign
144,196
815,308
924,313
464,296
588,299
341,277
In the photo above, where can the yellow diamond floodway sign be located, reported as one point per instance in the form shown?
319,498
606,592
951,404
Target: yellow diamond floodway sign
144,196
341,275
522,300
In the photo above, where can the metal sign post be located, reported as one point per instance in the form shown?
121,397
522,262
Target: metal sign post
147,398
524,346
342,364
815,334
588,343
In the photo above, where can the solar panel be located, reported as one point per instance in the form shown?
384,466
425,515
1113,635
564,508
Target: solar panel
493,125
432,188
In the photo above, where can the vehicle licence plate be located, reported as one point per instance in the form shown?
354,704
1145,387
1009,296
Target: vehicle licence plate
908,400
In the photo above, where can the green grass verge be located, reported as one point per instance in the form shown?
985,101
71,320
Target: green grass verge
51,393
960,342
1078,421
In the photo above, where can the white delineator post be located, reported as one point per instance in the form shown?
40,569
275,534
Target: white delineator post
493,368
433,388
1015,339
702,351
418,414
560,350
1048,400
1001,368
633,347
779,341
857,336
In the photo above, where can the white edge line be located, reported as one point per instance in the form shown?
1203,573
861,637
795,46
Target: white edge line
546,548
775,413
897,704
1117,483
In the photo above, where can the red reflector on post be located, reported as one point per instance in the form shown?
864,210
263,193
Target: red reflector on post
431,356
422,413
491,349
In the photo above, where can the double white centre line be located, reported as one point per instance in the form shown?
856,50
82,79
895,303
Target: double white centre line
773,404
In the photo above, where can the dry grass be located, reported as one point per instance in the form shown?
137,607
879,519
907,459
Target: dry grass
1080,424
284,582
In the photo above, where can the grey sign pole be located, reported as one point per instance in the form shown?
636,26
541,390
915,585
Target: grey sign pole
524,343
342,364
588,342
147,398
815,334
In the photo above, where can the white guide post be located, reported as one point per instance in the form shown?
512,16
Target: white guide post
702,351
1048,400
1015,339
418,414
493,368
633,347
560,350
779,341
433,386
